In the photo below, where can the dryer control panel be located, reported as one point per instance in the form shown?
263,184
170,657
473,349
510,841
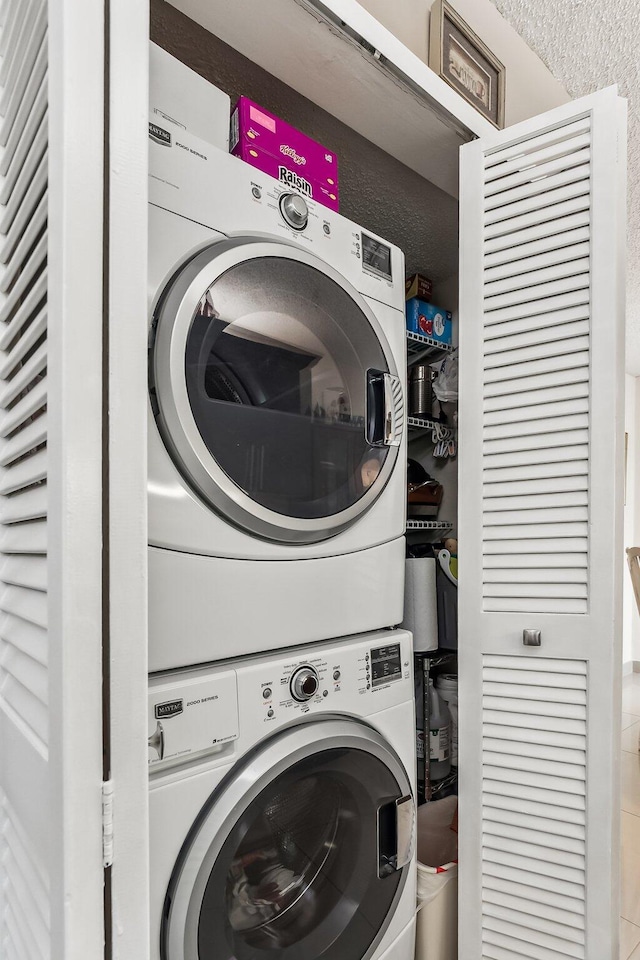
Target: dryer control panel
193,179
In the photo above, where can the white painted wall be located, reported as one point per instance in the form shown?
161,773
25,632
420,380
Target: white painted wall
631,620
530,86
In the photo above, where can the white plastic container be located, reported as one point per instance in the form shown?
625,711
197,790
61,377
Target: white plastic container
447,687
437,917
439,736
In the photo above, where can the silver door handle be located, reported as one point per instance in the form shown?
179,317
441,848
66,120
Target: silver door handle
385,409
393,413
531,638
405,822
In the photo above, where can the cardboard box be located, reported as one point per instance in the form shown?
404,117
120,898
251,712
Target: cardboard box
279,150
290,178
418,286
181,100
429,320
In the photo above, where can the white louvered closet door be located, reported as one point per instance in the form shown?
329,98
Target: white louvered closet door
51,225
541,464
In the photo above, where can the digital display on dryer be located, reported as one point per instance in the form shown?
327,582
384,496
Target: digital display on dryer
385,665
376,257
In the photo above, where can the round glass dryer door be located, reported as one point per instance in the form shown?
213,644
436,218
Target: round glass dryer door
304,853
275,389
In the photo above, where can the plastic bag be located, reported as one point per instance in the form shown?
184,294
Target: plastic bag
445,385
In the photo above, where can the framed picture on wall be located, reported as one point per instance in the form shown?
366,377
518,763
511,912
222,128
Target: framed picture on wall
466,63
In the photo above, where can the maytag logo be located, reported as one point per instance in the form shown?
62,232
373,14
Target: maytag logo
158,135
293,180
169,709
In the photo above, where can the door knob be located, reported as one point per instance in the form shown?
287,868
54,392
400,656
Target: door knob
531,638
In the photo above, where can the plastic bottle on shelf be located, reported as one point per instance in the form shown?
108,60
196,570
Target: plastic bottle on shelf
447,687
439,735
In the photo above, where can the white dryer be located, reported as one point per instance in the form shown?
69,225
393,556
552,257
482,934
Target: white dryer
277,459
282,805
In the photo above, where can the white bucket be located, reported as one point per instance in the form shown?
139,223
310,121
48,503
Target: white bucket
437,908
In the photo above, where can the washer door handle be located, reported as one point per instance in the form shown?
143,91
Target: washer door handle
156,740
396,821
405,822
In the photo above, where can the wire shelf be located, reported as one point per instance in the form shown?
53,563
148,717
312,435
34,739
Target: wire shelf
422,423
419,345
429,525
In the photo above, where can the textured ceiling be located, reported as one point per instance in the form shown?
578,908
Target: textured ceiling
587,45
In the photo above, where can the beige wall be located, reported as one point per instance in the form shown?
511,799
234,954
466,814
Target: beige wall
531,89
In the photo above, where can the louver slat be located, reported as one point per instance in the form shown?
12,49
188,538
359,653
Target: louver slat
576,231
24,653
538,307
11,361
20,73
526,331
23,96
554,218
24,636
25,473
523,151
534,840
15,34
13,154
563,150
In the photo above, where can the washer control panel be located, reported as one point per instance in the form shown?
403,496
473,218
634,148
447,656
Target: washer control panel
214,712
329,677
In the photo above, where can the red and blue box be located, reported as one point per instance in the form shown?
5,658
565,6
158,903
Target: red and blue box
429,320
283,152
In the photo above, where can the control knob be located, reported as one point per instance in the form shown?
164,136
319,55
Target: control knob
294,210
304,683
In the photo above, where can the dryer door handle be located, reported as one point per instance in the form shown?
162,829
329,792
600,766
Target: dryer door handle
385,409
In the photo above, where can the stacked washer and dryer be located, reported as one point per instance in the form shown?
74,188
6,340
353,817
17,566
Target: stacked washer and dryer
282,740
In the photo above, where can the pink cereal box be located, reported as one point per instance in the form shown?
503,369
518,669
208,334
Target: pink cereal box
294,179
279,150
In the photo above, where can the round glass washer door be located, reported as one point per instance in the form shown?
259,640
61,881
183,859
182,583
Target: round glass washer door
298,854
275,389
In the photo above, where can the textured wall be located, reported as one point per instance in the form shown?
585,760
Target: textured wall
587,46
376,190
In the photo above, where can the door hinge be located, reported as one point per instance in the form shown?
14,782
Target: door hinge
107,823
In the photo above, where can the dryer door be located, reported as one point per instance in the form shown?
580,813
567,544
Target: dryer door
302,852
275,389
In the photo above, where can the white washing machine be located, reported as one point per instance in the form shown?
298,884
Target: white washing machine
277,441
282,805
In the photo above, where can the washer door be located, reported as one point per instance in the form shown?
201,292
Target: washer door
302,852
275,390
